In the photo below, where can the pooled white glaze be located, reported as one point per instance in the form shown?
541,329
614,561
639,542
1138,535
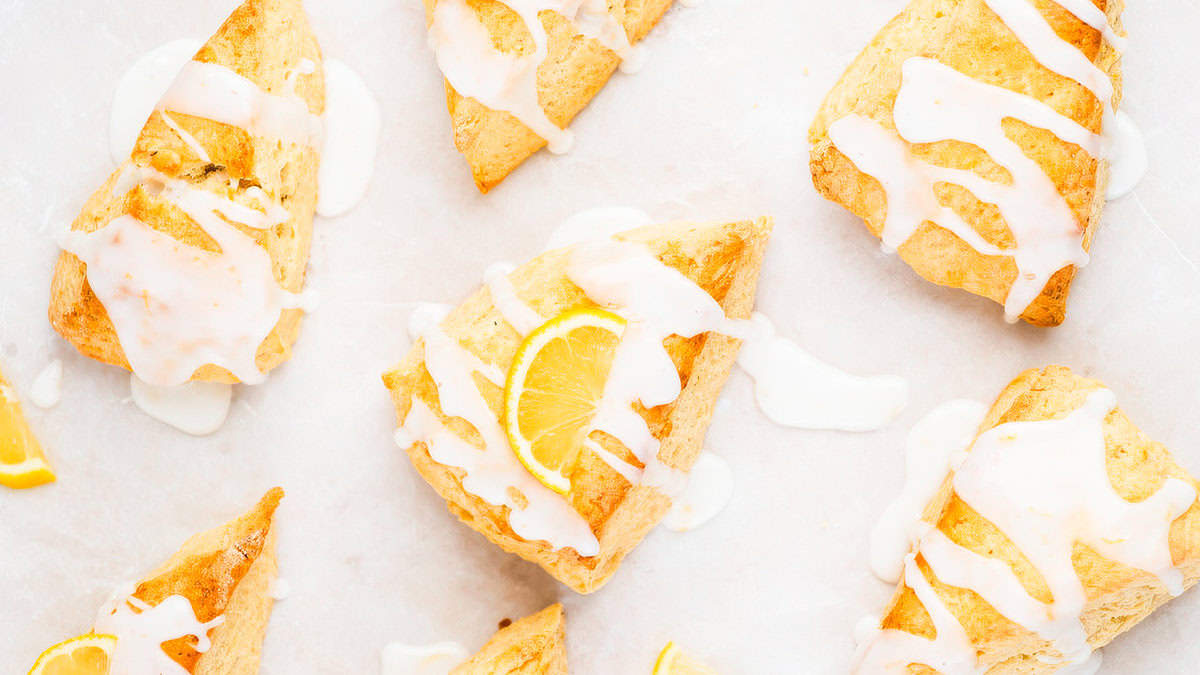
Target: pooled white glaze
709,489
1128,161
280,589
435,659
795,389
937,103
502,81
215,92
352,123
196,408
933,445
139,91
597,224
141,630
1045,485
175,307
46,391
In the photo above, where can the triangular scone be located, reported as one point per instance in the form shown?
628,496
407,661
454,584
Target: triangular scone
264,80
724,261
1145,508
1035,57
495,142
224,572
535,645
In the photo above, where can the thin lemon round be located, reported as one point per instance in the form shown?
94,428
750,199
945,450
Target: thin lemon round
22,462
674,661
553,388
85,655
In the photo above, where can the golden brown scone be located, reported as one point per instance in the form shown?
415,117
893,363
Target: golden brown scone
226,571
262,41
1118,596
967,36
576,68
724,259
535,645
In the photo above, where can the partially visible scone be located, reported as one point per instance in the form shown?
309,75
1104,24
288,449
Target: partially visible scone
535,645
1116,596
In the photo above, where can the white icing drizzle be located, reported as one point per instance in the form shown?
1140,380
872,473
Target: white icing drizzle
434,659
891,651
1129,162
352,123
139,91
215,92
141,630
1044,484
935,446
597,224
657,302
196,408
709,489
46,391
188,139
177,307
937,103
502,81
519,315
795,389
493,472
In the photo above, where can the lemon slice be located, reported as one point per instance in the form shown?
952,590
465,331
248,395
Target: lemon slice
673,661
22,462
85,655
554,385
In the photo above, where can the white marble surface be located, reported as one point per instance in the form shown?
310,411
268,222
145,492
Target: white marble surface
713,127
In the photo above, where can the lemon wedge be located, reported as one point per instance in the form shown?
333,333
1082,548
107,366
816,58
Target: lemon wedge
554,387
674,661
85,655
22,462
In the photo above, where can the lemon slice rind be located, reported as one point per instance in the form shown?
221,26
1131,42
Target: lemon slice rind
555,328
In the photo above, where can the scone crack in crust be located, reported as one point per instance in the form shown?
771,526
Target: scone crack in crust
724,261
257,171
1004,580
972,137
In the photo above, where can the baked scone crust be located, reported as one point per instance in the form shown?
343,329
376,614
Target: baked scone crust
724,259
535,645
575,70
1118,596
967,36
261,41
226,571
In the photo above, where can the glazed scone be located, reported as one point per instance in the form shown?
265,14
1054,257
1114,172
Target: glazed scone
574,69
1029,183
202,612
603,515
1053,446
250,149
535,645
